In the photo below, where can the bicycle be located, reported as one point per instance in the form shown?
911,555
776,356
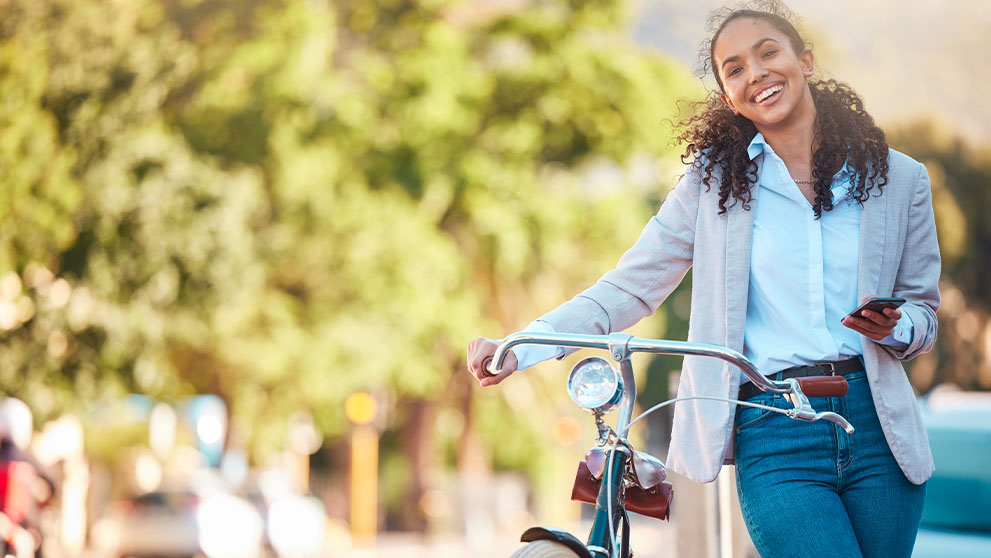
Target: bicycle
614,476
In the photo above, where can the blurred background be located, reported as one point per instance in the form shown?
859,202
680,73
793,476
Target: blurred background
244,243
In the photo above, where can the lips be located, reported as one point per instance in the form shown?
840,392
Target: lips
767,92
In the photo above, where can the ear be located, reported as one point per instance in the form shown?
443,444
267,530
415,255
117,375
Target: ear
807,61
729,104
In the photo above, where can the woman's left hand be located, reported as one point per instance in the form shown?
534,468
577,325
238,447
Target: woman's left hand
875,325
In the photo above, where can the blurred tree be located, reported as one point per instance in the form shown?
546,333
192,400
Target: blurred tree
961,181
283,202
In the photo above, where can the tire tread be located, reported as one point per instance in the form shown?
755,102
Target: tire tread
544,549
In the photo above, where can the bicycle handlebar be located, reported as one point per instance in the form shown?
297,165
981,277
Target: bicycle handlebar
622,345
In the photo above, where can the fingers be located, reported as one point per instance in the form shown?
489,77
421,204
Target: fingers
480,352
893,314
480,349
508,367
873,325
881,320
866,328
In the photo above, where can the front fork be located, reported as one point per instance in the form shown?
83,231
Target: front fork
610,498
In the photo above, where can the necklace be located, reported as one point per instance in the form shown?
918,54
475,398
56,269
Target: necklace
813,181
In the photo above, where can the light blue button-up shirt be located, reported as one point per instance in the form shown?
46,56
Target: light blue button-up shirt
803,272
803,276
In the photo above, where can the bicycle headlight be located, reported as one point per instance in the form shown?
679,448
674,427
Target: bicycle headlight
595,385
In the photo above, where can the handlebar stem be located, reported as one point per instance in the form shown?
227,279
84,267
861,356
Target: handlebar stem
619,348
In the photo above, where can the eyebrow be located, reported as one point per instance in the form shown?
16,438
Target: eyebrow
756,46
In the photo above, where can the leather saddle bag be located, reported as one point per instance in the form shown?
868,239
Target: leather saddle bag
653,502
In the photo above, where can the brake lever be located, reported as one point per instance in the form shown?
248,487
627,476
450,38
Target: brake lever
835,418
803,409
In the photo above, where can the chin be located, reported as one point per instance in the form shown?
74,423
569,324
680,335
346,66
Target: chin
778,116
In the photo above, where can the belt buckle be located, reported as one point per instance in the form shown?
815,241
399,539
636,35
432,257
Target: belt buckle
830,368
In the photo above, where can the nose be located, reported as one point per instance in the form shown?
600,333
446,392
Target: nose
757,73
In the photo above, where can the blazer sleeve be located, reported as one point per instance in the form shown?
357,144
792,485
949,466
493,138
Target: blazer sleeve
917,278
645,275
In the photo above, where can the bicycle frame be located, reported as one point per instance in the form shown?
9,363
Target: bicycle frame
610,507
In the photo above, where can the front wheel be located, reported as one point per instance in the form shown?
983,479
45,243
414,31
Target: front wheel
544,549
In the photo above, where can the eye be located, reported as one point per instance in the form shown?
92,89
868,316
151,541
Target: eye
734,71
769,53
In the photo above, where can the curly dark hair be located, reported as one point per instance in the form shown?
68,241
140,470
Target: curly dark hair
717,139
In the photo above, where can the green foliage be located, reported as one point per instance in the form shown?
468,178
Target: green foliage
285,202
38,197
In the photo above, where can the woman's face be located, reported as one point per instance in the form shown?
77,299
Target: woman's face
763,77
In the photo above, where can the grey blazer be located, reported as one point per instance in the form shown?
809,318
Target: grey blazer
899,256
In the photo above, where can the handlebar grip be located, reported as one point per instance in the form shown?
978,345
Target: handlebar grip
485,366
823,386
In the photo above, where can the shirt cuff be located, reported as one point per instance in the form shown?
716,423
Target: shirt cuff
528,355
900,337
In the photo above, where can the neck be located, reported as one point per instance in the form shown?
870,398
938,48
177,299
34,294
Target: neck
793,140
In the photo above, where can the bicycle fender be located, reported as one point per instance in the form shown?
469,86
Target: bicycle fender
559,535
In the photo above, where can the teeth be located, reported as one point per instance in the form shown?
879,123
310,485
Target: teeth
768,92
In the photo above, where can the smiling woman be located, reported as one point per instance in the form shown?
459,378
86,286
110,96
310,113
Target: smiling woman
762,67
763,76
792,211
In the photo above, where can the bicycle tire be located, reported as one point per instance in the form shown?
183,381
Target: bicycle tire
544,549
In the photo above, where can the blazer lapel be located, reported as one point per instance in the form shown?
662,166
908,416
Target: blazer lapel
739,236
872,241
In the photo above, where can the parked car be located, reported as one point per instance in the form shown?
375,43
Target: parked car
181,523
956,522
160,523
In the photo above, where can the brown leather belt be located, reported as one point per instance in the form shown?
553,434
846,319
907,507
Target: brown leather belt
838,368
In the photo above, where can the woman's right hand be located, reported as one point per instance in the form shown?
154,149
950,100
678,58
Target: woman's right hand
480,351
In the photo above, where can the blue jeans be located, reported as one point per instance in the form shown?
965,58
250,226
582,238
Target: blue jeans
810,490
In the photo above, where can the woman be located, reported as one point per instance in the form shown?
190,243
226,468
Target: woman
792,211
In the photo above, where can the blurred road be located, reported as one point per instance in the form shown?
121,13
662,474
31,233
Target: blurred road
415,546
650,538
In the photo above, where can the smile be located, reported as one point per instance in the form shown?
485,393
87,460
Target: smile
767,93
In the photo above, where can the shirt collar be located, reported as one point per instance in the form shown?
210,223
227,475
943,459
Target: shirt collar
758,145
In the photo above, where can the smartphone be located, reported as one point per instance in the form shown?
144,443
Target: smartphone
877,304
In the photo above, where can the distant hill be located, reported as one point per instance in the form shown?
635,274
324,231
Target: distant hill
909,59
